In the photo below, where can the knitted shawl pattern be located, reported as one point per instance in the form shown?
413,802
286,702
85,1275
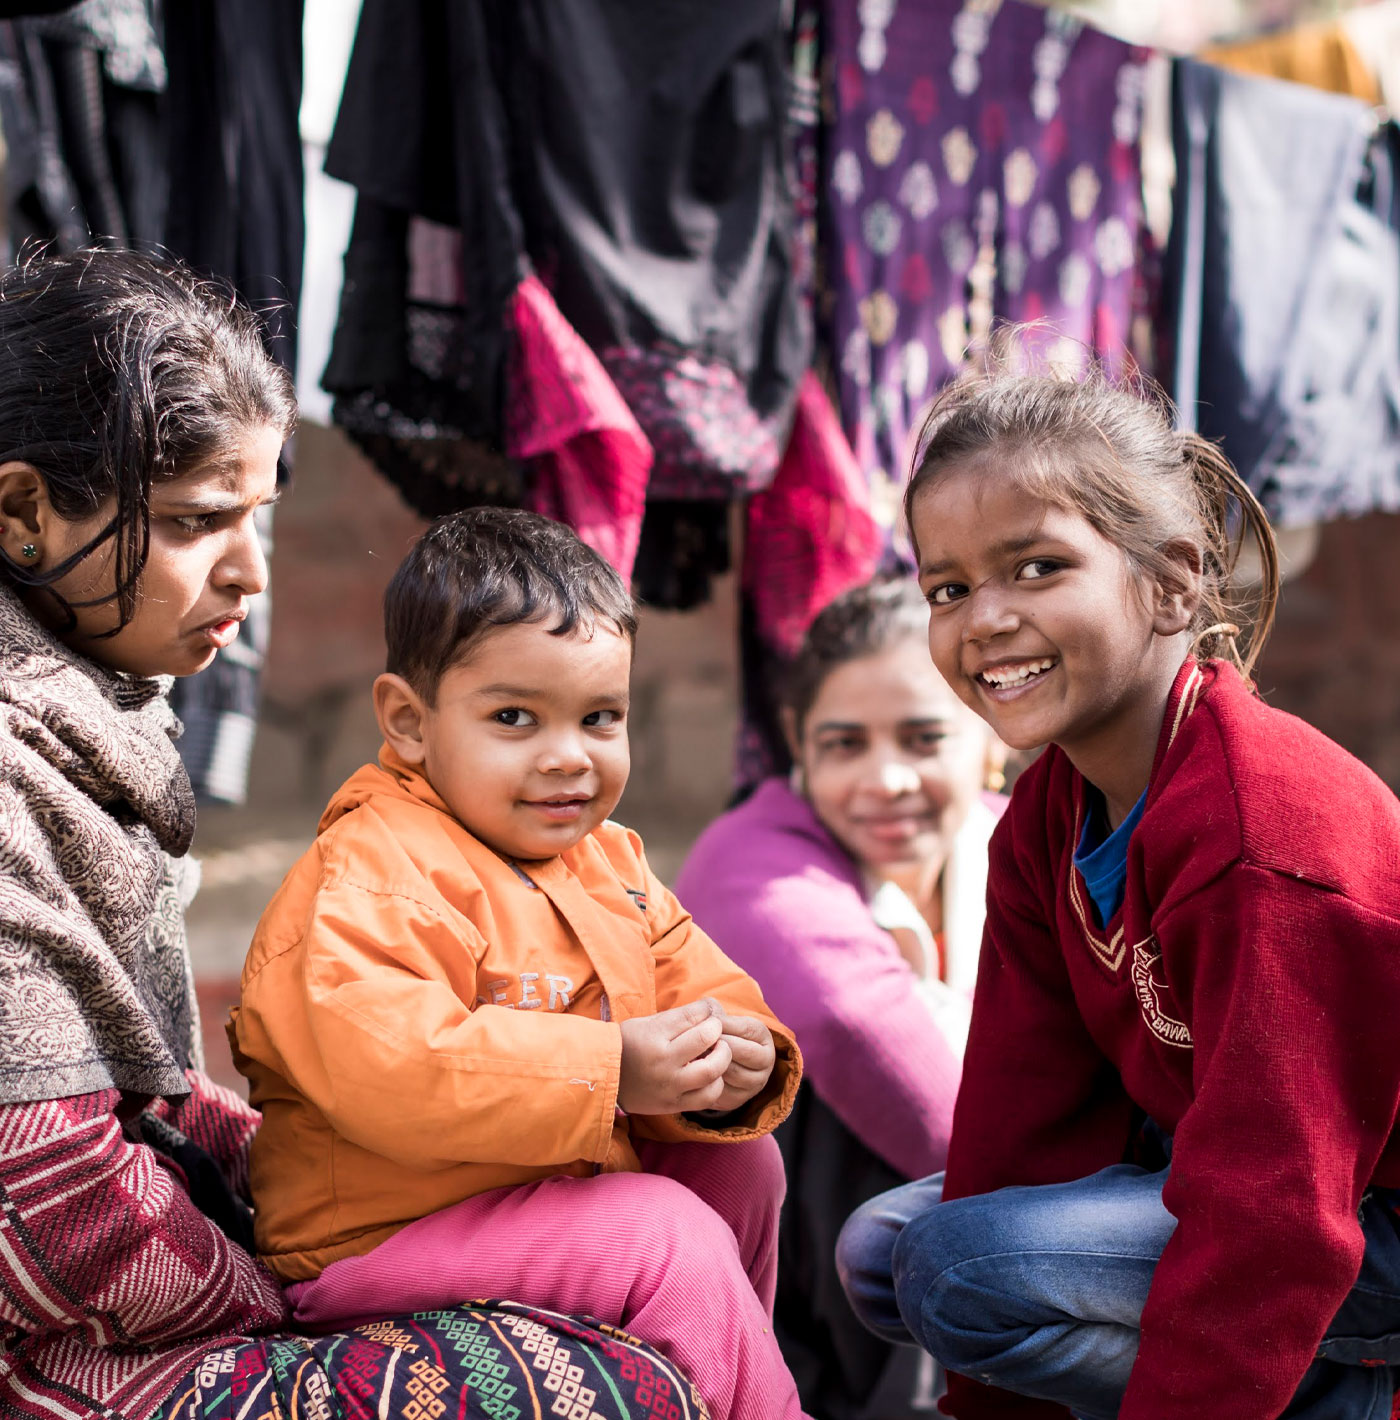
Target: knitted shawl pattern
95,806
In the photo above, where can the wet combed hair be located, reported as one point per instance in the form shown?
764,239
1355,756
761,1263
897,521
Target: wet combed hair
863,622
1112,455
121,369
476,571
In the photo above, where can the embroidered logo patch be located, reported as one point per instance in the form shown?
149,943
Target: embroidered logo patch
1147,959
637,896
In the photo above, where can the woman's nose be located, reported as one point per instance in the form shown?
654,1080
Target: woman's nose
244,563
894,777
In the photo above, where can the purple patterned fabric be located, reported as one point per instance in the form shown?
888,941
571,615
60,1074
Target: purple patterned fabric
982,147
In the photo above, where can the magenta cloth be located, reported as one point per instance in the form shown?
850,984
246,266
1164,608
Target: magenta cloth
683,1256
810,533
586,456
784,901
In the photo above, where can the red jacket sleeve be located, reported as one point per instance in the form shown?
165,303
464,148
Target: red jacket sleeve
1039,1102
1294,994
104,1242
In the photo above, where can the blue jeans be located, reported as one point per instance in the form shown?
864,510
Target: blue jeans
1040,1290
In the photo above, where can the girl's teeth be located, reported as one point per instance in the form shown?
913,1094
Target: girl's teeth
1004,676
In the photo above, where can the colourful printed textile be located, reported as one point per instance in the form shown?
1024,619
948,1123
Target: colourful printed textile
489,1361
981,165
113,1284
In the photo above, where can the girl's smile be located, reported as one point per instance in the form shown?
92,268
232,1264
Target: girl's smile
1007,678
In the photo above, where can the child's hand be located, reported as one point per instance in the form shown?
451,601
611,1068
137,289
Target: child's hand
751,1046
674,1061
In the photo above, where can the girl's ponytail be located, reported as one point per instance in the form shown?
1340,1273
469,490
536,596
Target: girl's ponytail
1236,620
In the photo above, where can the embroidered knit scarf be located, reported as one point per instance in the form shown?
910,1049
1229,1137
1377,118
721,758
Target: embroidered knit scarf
95,984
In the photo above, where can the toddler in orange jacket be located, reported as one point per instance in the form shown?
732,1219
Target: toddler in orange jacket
494,1055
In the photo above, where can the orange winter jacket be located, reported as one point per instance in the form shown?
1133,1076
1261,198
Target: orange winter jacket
422,1020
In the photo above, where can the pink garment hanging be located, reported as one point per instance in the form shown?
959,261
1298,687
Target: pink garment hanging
811,534
587,458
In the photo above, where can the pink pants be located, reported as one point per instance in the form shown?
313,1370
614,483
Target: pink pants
684,1256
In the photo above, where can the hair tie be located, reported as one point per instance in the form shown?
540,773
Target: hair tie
1221,628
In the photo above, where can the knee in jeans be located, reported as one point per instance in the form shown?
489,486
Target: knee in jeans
865,1243
940,1313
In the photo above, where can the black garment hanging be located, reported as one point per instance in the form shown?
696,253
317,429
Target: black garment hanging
80,96
1286,334
635,159
418,382
234,151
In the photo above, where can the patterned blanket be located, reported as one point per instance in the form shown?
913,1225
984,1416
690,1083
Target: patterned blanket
488,1361
121,1300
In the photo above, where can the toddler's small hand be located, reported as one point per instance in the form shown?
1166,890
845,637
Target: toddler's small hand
674,1061
751,1048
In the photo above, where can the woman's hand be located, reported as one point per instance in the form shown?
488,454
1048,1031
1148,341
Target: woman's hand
676,1060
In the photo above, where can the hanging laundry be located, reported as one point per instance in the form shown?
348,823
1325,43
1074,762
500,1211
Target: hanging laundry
659,211
1323,56
810,534
633,160
684,545
235,151
1374,31
981,165
1282,290
418,356
79,108
588,458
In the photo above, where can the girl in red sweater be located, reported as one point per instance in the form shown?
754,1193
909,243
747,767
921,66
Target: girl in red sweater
1192,950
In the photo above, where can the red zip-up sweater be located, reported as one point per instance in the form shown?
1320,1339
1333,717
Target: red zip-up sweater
1246,995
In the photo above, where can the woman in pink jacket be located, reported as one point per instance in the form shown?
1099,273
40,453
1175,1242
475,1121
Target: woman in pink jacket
853,892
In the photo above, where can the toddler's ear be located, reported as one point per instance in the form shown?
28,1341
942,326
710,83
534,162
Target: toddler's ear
400,712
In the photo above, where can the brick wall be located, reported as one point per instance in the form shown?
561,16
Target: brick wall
1334,658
